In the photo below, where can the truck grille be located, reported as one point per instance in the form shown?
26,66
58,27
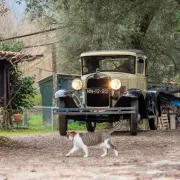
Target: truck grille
97,92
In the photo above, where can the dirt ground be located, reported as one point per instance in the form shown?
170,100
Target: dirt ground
150,155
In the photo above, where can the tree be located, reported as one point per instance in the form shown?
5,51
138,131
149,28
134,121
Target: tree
149,25
23,93
3,8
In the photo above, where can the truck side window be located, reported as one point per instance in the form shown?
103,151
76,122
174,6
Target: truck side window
146,67
140,67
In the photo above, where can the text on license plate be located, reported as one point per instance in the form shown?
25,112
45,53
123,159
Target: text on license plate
97,91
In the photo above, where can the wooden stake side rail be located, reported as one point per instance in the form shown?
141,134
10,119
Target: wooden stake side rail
94,111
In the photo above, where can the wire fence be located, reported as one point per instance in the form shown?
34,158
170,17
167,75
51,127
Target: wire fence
44,118
40,117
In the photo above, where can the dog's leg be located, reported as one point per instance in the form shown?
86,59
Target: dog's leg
74,149
85,149
105,152
113,147
104,148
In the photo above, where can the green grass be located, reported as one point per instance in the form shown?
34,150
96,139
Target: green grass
76,126
22,132
35,126
35,120
35,123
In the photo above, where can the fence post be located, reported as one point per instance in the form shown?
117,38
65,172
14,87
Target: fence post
52,117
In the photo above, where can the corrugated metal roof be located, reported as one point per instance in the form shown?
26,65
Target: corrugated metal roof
16,57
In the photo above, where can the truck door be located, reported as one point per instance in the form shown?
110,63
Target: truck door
141,78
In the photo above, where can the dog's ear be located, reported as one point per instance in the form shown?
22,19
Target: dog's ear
74,132
67,134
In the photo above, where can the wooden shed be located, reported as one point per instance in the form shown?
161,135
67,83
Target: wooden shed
8,60
64,81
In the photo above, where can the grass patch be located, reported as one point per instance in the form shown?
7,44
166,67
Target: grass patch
22,132
35,123
35,120
34,126
76,126
101,126
4,140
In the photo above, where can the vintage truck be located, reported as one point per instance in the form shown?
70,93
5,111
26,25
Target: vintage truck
114,87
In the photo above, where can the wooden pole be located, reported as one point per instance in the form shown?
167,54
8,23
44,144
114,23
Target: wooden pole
54,73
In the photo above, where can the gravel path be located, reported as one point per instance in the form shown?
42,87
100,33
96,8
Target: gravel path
150,155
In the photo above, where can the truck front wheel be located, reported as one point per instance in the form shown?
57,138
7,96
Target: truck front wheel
62,125
63,121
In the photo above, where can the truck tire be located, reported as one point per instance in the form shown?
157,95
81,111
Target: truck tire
153,123
90,126
134,118
62,125
62,120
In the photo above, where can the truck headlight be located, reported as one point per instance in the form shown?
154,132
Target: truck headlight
115,84
77,84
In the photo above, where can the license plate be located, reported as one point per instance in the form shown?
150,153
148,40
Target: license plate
97,91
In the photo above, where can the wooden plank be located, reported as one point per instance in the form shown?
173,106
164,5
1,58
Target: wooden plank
164,121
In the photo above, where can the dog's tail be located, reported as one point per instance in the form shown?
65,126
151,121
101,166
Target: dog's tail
118,124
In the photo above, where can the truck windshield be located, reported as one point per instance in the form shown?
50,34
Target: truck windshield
122,63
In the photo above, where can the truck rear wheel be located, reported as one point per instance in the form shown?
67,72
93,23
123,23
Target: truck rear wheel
153,123
134,118
90,126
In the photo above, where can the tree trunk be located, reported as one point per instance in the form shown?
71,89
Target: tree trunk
4,119
54,69
144,25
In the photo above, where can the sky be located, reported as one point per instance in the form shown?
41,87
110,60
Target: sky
17,9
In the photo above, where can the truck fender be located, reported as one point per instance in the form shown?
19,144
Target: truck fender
69,98
125,101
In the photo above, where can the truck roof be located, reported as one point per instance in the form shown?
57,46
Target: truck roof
132,52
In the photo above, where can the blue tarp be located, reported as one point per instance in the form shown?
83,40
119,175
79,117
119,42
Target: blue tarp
175,103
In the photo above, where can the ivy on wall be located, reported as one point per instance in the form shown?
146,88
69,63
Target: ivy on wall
15,46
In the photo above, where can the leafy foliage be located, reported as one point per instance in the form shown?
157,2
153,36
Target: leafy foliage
178,18
3,8
37,100
149,25
13,45
23,92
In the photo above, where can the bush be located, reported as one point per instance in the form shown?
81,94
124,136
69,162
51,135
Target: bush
37,100
22,90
